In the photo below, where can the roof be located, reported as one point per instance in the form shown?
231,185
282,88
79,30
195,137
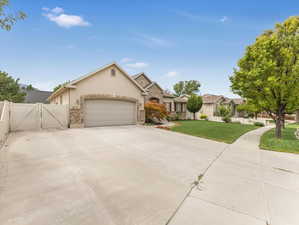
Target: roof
227,100
208,98
168,95
73,83
238,101
181,99
35,96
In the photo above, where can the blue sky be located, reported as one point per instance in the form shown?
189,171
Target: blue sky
169,40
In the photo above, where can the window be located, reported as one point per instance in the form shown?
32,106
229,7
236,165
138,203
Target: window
112,72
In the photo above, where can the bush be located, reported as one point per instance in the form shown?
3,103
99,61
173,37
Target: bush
226,119
203,117
259,124
155,112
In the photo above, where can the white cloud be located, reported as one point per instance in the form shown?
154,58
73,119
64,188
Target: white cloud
172,74
152,41
126,60
201,18
57,10
224,19
45,9
64,20
137,65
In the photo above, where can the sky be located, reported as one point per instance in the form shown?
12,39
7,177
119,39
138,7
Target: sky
169,40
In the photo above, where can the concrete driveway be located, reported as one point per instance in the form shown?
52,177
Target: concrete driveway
245,186
111,176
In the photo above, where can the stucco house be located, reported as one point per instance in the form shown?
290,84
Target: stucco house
107,96
176,106
212,102
110,96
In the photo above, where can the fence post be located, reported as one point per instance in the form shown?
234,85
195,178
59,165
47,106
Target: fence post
40,109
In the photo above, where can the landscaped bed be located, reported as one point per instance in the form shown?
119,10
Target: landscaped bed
288,142
223,132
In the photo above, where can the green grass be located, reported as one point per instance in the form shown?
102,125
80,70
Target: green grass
288,143
223,132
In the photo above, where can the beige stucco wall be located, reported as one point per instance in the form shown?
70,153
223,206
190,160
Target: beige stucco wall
102,83
208,109
156,92
65,98
105,84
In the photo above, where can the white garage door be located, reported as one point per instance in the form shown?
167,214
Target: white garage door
109,112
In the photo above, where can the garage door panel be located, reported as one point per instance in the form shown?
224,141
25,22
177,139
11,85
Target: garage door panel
109,112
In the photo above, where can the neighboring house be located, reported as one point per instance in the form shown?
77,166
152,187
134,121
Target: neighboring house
35,96
212,102
107,96
176,106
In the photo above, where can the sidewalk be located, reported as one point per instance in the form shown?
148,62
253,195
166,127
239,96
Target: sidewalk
245,186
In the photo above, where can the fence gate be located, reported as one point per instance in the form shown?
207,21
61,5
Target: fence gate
37,116
54,116
24,116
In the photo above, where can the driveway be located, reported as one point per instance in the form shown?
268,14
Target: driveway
245,186
111,175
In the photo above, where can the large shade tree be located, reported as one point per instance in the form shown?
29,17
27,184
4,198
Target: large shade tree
7,20
186,87
268,73
10,89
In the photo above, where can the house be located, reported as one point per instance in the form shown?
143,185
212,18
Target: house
36,96
212,102
176,106
107,96
110,96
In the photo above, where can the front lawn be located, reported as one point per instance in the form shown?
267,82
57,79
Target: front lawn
288,143
223,132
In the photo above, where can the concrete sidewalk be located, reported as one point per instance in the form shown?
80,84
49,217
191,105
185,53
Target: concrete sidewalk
245,186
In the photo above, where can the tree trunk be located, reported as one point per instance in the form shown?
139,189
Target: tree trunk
283,121
193,116
278,125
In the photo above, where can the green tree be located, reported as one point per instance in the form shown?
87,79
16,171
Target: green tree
186,87
225,113
250,109
194,104
10,89
30,88
268,73
7,20
60,85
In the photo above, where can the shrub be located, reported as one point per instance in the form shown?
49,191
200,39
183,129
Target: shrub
226,119
259,124
194,104
203,117
154,112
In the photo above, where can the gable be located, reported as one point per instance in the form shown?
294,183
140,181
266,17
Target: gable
155,89
106,71
143,80
110,78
